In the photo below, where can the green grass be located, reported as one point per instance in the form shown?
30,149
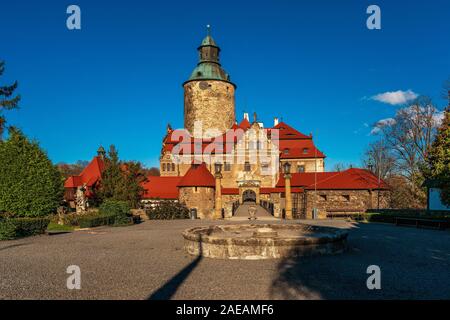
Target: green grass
53,226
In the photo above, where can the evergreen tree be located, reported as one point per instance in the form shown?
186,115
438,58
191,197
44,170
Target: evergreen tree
121,181
111,176
7,102
30,185
438,159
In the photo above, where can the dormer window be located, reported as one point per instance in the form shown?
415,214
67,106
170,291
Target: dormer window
286,151
305,150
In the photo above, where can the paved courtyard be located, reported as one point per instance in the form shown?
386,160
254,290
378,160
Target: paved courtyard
147,261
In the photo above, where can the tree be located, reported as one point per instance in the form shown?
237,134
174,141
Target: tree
437,165
153,171
30,185
379,159
74,169
7,101
121,180
408,136
111,176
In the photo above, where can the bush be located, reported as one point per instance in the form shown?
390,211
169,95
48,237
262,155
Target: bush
11,228
30,185
96,221
168,210
389,216
114,207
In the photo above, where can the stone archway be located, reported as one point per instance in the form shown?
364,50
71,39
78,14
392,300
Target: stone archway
249,196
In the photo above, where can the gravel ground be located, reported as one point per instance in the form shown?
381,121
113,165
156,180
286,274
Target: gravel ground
147,261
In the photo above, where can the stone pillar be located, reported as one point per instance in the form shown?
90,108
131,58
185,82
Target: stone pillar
288,196
218,198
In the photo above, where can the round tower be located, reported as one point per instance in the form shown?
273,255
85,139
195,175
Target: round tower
209,94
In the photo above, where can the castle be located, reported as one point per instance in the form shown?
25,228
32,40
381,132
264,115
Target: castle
215,163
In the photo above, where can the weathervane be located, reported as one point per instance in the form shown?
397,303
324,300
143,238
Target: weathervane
208,29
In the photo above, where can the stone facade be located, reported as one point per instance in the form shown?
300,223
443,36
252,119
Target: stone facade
199,198
212,103
342,201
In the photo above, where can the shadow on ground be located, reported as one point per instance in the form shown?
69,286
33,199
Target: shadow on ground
409,268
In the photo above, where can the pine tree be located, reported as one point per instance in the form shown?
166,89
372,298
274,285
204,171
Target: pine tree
111,176
7,102
30,185
121,181
438,159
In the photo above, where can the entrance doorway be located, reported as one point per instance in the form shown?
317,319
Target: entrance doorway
249,196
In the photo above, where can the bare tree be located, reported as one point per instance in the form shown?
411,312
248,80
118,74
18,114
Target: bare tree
409,135
379,159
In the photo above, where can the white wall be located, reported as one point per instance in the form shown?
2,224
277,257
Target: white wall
435,200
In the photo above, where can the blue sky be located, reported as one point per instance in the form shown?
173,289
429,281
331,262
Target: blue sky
313,63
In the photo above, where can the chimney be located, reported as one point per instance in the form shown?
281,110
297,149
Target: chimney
275,121
246,116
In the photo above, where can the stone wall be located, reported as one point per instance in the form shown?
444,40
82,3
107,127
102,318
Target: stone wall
210,101
227,203
200,198
340,201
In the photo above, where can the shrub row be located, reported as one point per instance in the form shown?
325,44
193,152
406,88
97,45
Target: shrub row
111,212
167,210
11,228
390,217
411,212
103,220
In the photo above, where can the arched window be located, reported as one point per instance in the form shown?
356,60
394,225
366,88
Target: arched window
163,167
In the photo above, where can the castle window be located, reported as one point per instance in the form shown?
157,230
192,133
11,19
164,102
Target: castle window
345,197
301,169
173,166
247,167
163,167
322,197
227,166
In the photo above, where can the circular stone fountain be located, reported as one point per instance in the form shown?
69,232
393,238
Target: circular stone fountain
263,241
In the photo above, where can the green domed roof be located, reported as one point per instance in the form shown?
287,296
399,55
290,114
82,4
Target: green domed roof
208,41
209,67
211,71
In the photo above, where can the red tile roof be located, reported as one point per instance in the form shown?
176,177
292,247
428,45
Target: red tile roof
287,132
351,179
89,176
300,146
197,176
161,187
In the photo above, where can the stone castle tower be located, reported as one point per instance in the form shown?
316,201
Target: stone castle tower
209,93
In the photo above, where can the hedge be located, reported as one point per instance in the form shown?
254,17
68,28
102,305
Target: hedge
167,210
12,228
391,217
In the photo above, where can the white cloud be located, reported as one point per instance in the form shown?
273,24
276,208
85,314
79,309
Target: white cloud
395,97
438,117
382,123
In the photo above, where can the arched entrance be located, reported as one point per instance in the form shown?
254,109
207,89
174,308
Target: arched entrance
249,196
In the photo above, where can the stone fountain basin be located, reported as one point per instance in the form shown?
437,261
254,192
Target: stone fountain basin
263,241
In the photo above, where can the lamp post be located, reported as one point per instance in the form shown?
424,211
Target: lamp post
287,183
218,196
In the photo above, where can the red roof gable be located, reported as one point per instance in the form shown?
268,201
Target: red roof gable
287,132
351,179
245,124
197,176
89,176
161,187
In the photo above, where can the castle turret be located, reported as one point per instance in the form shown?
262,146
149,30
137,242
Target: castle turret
209,93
